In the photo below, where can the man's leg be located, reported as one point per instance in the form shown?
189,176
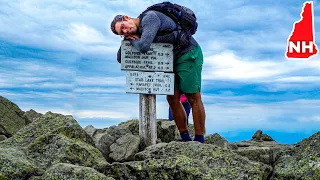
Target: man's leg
198,114
188,70
179,115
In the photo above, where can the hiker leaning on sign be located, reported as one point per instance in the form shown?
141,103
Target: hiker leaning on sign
152,27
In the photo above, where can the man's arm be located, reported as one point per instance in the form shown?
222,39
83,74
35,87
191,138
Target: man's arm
119,55
150,25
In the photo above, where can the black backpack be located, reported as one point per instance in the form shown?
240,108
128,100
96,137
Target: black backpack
183,16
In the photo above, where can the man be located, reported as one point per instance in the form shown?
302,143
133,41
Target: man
156,27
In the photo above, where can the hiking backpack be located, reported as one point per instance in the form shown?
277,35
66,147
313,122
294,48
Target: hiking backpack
183,16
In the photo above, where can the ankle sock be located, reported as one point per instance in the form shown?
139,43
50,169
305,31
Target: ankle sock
199,138
185,136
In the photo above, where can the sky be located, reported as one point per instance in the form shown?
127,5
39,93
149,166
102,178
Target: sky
60,56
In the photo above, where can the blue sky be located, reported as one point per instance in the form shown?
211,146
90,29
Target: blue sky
61,57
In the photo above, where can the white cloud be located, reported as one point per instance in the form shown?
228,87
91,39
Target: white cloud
302,79
99,90
286,115
84,34
100,114
32,73
309,119
100,81
228,66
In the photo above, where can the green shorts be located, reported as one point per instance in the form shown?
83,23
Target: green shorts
187,71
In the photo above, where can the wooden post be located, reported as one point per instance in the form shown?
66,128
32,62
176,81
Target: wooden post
147,124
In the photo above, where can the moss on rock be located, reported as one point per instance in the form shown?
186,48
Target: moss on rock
11,117
14,164
69,171
192,160
55,138
302,161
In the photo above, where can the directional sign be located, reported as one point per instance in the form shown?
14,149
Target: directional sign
158,58
150,82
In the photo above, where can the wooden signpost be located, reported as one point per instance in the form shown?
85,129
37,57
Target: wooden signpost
147,75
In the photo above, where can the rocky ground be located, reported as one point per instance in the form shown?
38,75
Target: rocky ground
54,146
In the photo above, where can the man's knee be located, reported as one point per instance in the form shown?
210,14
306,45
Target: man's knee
174,98
170,99
194,98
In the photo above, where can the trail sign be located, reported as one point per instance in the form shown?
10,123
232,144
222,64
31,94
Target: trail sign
150,82
159,58
146,75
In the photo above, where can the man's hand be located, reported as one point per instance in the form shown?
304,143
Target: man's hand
133,37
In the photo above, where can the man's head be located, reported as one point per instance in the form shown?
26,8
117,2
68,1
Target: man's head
124,25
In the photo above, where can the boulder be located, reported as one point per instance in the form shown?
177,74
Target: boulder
302,161
125,148
259,136
131,125
167,130
217,140
262,151
11,118
50,123
54,138
32,115
3,137
108,137
90,130
188,160
14,164
69,171
105,138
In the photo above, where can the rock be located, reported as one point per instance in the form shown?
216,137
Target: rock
302,161
109,137
2,130
258,136
217,140
11,117
35,178
32,115
125,148
51,149
167,130
69,171
263,151
188,160
14,164
50,123
54,138
90,130
3,137
131,125
98,134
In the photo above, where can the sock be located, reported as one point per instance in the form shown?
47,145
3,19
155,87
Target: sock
185,136
199,138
